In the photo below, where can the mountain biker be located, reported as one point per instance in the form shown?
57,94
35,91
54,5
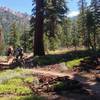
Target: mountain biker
19,52
9,52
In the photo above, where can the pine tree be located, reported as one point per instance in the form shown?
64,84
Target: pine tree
82,20
95,10
65,36
48,14
90,24
13,36
74,34
25,41
55,11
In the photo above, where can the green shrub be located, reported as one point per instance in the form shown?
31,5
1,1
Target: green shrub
75,62
13,89
29,79
15,81
12,81
59,86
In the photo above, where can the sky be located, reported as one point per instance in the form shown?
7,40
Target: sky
26,6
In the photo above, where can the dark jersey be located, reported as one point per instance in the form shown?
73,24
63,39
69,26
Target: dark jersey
9,51
18,51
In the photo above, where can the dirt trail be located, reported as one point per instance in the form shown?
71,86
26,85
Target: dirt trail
9,62
52,73
92,85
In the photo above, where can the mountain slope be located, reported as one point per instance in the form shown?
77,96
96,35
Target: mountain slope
8,16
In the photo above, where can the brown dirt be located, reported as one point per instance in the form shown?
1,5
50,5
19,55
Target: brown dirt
89,76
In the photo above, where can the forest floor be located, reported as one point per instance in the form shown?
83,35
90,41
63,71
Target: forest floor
91,81
82,68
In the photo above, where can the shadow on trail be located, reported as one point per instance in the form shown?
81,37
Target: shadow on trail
63,88
90,84
51,59
91,64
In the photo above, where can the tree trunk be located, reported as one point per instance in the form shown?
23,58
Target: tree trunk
94,40
38,38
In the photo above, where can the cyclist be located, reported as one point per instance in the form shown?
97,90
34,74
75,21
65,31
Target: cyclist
19,52
9,52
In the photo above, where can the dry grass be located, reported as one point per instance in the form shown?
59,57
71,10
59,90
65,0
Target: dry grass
3,58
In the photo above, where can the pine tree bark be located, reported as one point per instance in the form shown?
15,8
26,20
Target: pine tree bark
38,37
